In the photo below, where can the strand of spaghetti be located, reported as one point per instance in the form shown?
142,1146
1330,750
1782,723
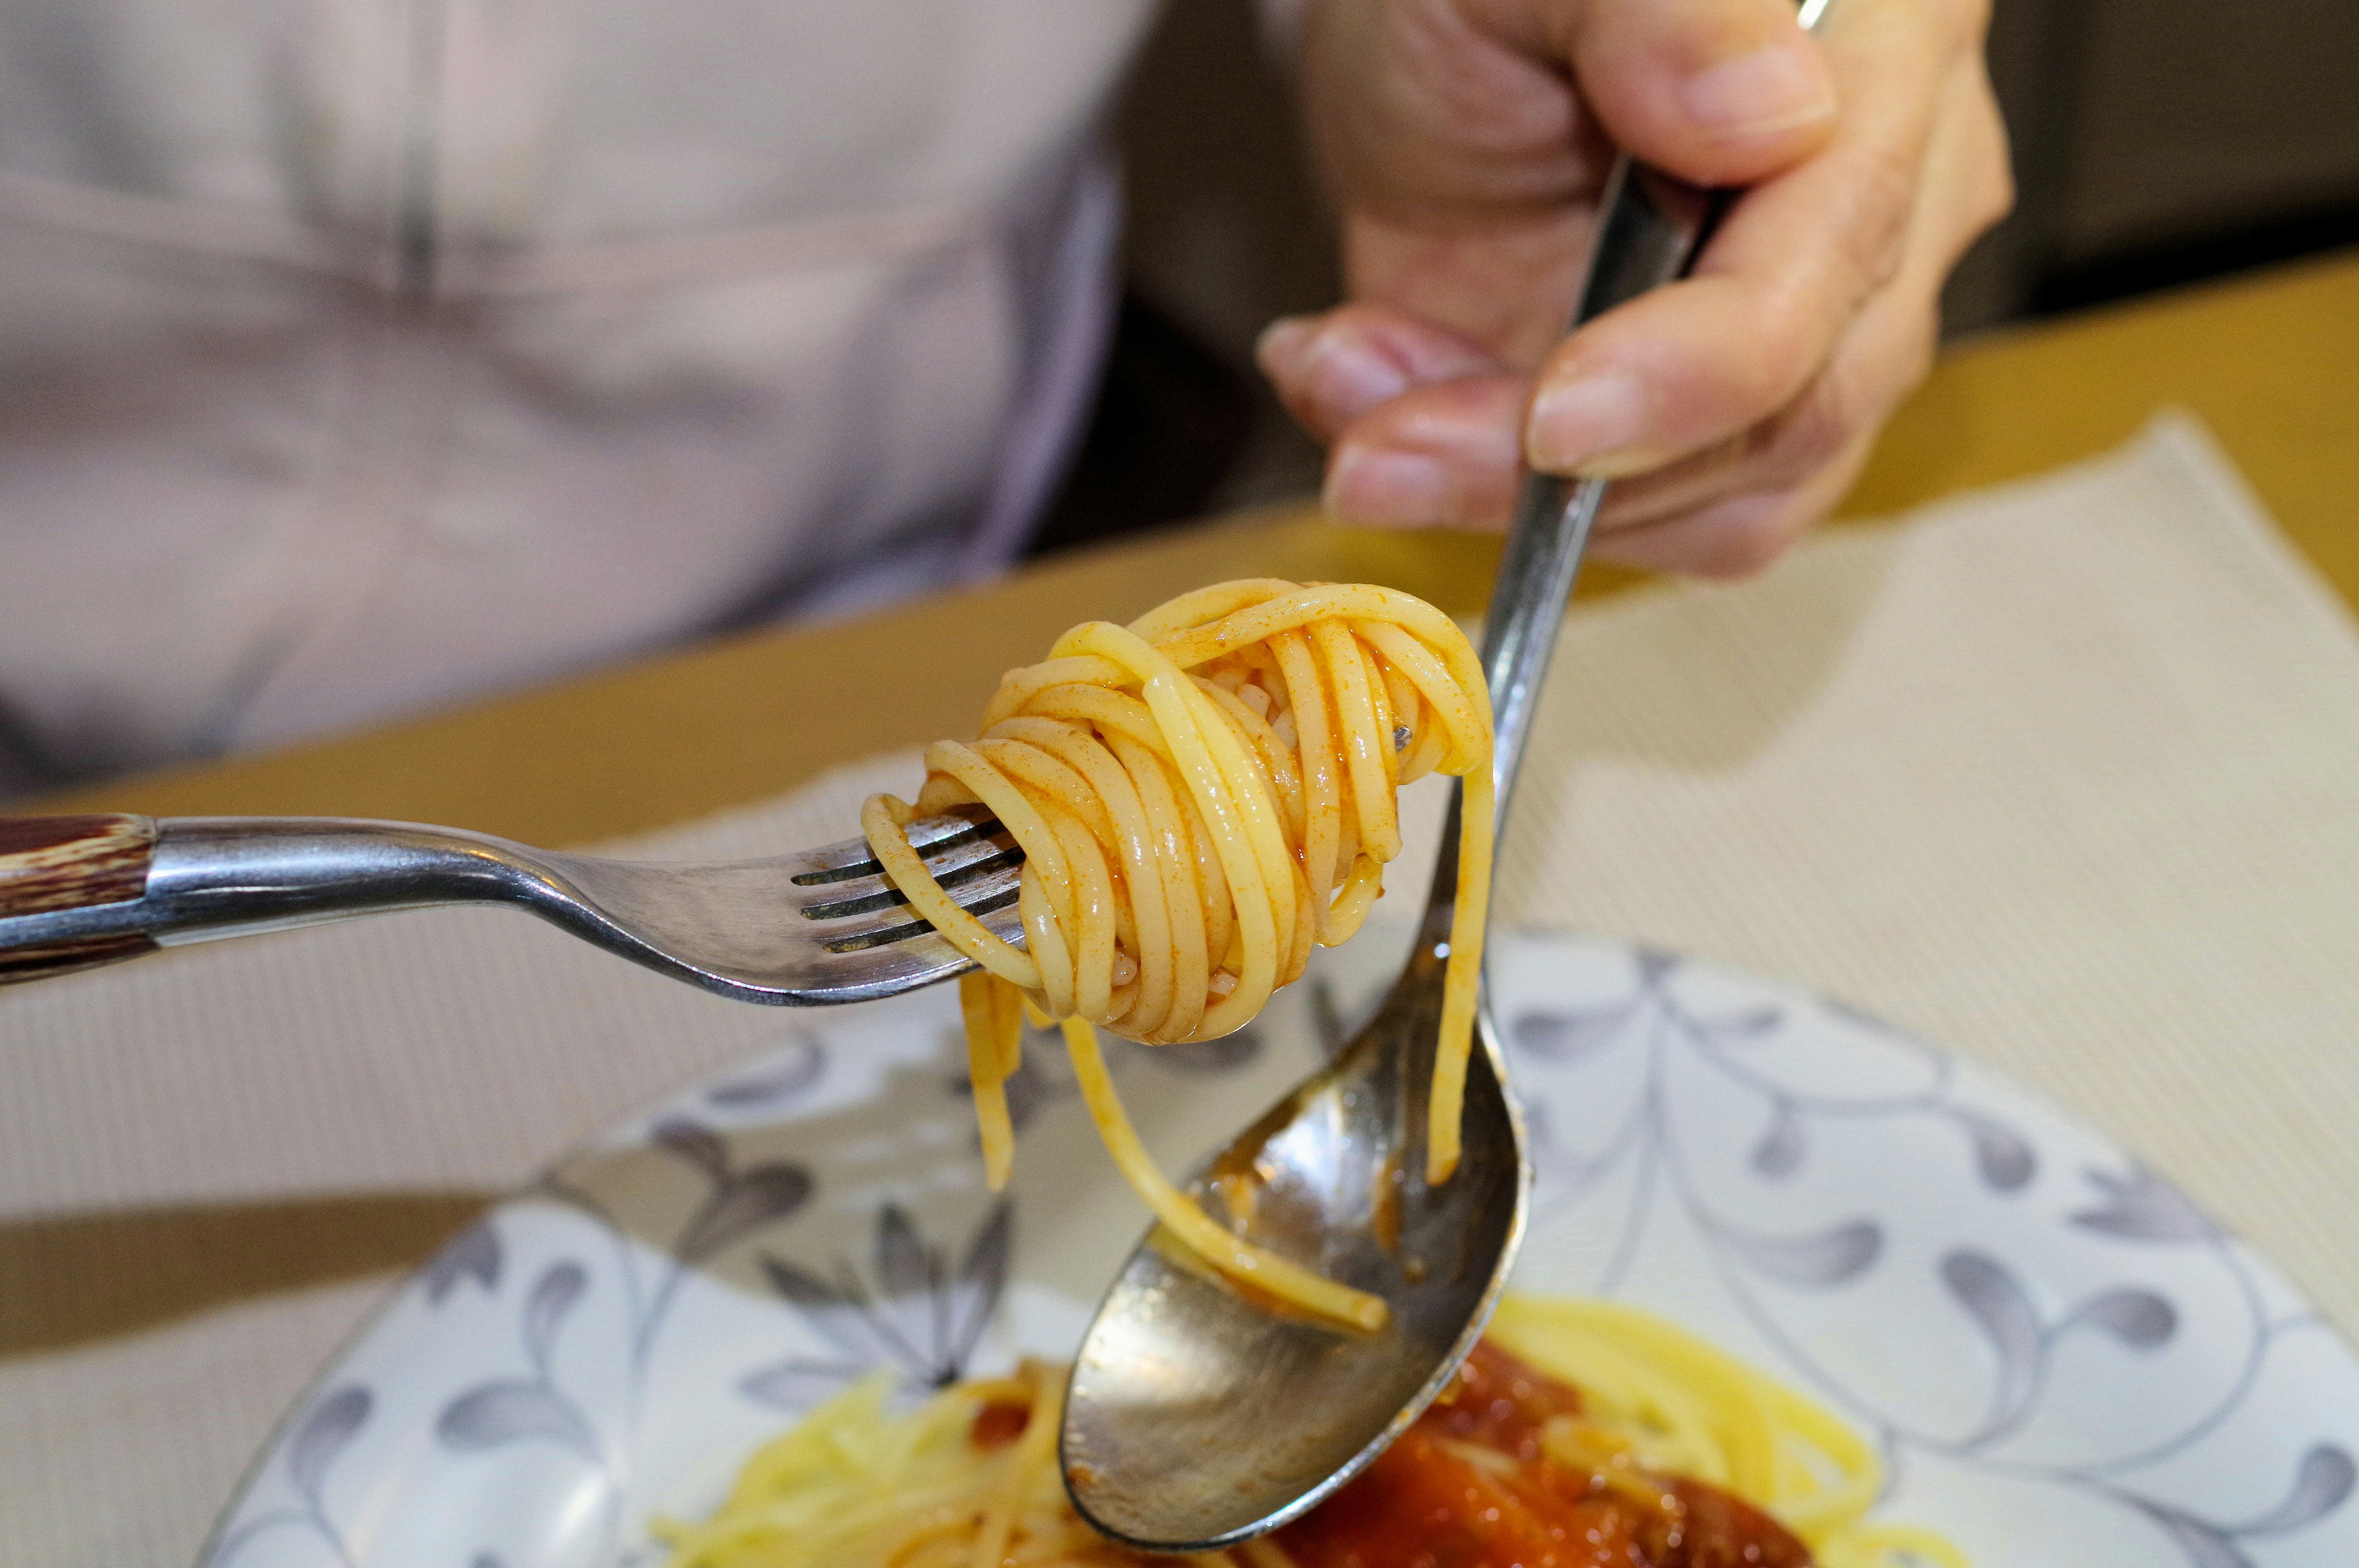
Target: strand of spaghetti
1244,838
1365,739
1463,716
1329,601
885,820
1032,1450
1018,687
988,1053
1174,616
1088,918
1232,1255
1323,802
1191,964
1129,827
1462,977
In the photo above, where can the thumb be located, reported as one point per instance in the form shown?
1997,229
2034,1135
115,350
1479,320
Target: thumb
1715,92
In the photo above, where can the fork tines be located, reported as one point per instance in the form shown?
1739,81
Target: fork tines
970,855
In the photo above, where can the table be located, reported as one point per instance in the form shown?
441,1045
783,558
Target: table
2266,362
2271,364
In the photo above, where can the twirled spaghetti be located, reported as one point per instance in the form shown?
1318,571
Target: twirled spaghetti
1202,798
1582,1434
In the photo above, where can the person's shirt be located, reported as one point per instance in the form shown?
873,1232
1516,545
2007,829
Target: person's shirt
358,356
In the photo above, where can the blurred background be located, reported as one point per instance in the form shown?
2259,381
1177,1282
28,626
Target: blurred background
2157,143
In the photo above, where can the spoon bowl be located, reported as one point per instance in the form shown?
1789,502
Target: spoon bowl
1183,1373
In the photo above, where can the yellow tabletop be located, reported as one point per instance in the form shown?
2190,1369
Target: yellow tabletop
2270,364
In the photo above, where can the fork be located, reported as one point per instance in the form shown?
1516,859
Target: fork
804,930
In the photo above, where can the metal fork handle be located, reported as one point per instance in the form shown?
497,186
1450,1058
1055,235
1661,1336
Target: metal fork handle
78,891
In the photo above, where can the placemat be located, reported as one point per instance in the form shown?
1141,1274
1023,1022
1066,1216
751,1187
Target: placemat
2064,774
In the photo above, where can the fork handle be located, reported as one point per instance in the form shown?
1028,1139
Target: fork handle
53,864
79,892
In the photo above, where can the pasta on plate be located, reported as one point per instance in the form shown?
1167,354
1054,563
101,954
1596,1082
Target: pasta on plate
1580,1434
1202,798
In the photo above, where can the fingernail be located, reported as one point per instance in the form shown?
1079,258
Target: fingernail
1771,89
1343,373
1390,488
1628,463
1281,344
1591,417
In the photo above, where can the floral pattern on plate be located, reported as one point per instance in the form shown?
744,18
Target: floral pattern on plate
2063,1359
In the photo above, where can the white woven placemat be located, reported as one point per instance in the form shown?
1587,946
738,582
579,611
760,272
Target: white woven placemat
2065,774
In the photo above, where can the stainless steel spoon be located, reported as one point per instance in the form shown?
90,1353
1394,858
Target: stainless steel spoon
1197,1418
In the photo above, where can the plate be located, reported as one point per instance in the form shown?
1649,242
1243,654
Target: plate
2063,1359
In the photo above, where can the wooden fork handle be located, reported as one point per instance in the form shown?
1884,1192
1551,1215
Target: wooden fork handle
49,863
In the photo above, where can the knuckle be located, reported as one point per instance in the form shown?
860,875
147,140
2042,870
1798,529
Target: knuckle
1870,243
1844,404
1809,434
1996,187
1965,23
1748,534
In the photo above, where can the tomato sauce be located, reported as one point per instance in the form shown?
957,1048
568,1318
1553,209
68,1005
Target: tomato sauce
1469,1485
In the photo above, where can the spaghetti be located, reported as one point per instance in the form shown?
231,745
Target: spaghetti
1202,798
1597,1435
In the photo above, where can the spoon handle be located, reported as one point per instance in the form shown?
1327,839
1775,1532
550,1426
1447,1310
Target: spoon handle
1654,226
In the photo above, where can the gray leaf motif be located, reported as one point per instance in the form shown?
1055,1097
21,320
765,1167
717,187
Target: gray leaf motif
491,1416
1782,1144
748,1201
1567,1036
2321,1484
984,1272
915,1319
1831,1258
797,1385
553,1297
1998,1304
473,1253
698,1145
2140,1319
825,1307
904,1265
2142,1206
2205,1547
323,1435
792,1074
2003,1157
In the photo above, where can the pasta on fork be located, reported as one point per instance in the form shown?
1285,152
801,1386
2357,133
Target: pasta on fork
1202,796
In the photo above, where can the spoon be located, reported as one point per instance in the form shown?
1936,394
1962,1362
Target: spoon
1197,1418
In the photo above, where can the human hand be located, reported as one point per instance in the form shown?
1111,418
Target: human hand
1466,142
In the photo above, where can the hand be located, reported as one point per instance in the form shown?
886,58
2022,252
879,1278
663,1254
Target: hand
1466,141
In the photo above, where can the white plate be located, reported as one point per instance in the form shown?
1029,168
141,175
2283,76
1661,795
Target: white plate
2065,1361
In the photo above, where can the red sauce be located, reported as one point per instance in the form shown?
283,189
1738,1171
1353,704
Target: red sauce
1439,1499
997,1425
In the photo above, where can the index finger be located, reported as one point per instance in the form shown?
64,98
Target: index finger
1699,361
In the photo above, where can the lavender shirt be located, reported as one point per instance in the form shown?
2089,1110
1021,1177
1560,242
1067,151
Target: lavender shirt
359,356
